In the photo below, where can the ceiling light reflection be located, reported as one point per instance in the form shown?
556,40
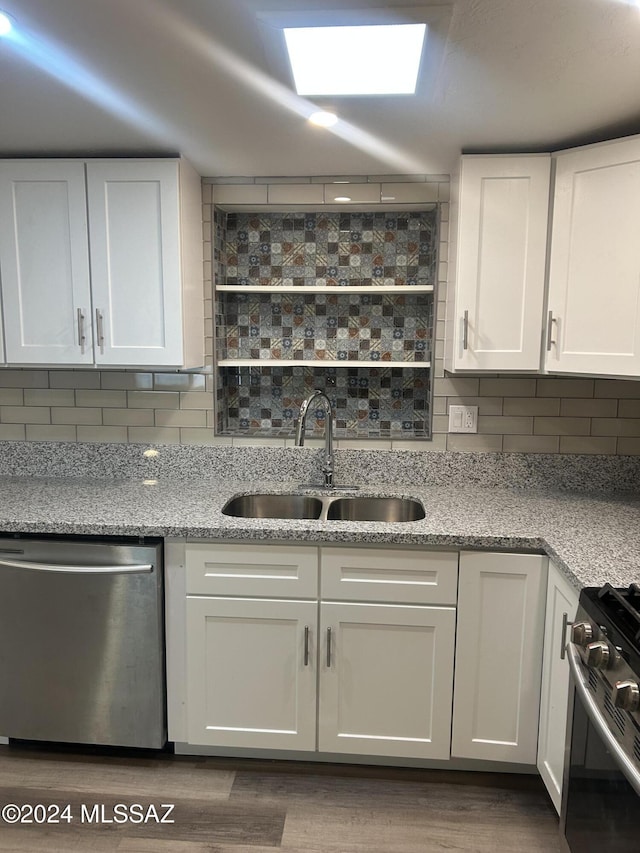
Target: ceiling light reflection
6,24
322,118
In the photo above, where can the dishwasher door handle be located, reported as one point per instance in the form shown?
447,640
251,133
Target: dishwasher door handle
77,570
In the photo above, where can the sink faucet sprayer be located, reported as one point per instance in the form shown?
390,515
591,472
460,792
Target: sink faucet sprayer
327,467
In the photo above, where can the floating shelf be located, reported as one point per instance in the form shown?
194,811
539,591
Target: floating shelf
316,363
313,288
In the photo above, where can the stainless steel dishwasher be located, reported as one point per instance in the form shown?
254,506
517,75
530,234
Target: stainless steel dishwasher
82,641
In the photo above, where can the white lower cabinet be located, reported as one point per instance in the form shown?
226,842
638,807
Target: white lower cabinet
562,603
386,680
501,603
374,677
352,650
249,682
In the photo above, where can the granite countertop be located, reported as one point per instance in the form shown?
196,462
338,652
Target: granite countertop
591,538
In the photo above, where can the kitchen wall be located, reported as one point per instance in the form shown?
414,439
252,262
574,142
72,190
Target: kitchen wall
522,414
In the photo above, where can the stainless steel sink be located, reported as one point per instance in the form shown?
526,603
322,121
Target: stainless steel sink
296,506
273,506
375,509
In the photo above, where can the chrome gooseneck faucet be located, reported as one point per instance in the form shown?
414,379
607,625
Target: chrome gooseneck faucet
327,467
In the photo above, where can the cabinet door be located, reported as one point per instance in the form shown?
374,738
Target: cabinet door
562,603
496,322
44,262
251,674
386,676
499,642
134,226
594,275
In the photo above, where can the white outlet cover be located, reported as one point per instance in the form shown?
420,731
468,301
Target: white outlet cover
463,419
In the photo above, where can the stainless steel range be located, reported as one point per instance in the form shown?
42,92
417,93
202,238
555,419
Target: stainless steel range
601,800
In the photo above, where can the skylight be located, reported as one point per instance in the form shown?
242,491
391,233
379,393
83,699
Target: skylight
356,60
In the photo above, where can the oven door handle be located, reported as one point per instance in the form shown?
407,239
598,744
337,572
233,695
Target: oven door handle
599,723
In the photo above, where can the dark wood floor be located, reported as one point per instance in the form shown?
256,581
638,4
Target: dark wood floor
224,806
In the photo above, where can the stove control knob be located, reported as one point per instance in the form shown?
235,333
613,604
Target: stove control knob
626,695
581,633
597,655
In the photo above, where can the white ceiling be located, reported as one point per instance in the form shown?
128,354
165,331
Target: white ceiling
145,77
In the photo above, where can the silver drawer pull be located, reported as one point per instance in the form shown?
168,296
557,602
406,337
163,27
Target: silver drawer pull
306,645
465,330
328,647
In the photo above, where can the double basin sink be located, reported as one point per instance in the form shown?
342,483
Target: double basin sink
325,508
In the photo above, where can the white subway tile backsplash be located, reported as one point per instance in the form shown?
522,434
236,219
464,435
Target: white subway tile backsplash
12,432
153,435
310,194
587,444
100,434
10,378
49,397
531,444
474,443
75,415
11,397
241,194
125,381
153,399
25,415
89,379
49,432
128,417
101,399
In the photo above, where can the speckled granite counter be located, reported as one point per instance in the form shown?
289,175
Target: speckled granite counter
592,538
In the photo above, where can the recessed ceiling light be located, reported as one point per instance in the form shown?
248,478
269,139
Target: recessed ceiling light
6,24
323,118
367,60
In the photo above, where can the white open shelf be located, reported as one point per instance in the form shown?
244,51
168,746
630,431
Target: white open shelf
316,363
317,288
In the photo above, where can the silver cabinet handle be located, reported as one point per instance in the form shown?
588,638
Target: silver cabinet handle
82,338
465,331
618,754
551,320
328,647
100,328
76,570
306,645
563,636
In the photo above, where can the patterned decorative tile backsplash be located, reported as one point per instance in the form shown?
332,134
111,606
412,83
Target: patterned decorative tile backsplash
336,251
369,402
333,249
314,326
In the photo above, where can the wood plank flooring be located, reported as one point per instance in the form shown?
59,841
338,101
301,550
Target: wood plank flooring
227,806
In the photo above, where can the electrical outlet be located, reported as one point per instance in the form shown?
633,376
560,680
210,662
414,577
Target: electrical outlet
463,419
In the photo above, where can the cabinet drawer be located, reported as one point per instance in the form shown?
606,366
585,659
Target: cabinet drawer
389,575
252,570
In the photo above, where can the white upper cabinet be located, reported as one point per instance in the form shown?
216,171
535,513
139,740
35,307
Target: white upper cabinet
496,291
594,275
101,262
44,261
